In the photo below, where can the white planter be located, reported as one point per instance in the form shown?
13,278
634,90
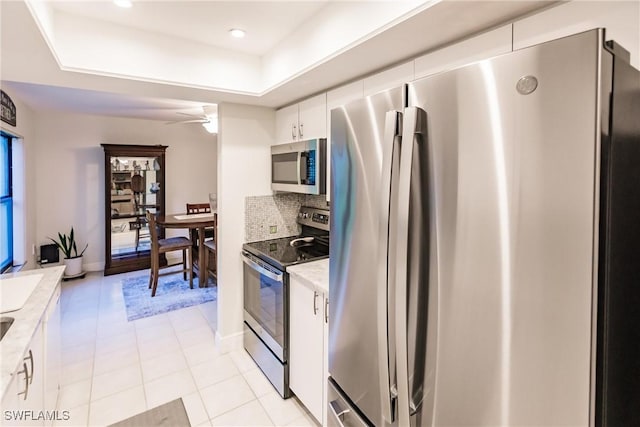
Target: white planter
73,266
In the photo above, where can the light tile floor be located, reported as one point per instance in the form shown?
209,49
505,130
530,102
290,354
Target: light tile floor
113,369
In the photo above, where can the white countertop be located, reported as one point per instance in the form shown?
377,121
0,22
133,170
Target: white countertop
314,274
26,320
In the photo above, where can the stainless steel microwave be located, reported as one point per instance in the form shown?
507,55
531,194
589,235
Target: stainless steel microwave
299,167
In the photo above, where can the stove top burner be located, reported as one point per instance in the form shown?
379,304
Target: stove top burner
312,243
281,253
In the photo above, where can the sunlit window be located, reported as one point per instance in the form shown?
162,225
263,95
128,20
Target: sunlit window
6,204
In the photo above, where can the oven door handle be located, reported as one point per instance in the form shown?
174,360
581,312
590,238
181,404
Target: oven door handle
260,269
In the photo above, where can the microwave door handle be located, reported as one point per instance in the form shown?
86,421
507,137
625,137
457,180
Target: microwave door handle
386,238
302,167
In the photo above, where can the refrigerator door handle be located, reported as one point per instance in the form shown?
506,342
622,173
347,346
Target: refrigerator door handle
390,162
413,134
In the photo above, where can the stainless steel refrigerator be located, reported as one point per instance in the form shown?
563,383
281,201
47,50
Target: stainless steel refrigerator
485,244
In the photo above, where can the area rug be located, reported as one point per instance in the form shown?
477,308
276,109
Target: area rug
173,293
170,414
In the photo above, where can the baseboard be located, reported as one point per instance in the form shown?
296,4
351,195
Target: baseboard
93,266
229,342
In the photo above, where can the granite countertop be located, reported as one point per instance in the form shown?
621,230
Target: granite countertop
26,321
314,274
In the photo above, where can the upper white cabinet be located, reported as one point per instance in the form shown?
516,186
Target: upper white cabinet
485,45
335,98
621,19
287,124
305,120
389,78
343,95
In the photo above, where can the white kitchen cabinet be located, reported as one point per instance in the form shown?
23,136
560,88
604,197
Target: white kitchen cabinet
52,353
24,399
302,121
308,362
477,48
335,98
287,124
619,18
11,399
34,387
390,78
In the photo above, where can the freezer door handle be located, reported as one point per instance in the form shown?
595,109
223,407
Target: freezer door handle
386,236
338,410
343,416
410,387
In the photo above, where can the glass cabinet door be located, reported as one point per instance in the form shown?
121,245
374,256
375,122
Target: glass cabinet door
134,184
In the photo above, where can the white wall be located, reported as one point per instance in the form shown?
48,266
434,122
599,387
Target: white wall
244,138
24,201
69,171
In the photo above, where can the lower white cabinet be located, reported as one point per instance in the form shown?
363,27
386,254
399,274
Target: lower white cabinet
24,399
307,340
32,395
52,361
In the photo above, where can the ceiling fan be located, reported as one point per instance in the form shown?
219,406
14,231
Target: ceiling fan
208,119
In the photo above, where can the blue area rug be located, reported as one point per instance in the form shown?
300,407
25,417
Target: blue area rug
173,293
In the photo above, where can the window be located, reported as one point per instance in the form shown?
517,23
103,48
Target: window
6,204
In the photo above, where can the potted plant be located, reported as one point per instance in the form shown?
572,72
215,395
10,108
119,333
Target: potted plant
72,259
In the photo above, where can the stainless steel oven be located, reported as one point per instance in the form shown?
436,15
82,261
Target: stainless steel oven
266,292
266,314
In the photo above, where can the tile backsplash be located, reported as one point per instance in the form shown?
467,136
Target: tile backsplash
279,210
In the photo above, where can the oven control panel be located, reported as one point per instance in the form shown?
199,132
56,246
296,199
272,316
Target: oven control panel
314,217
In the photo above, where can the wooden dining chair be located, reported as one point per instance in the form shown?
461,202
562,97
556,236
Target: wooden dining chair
211,246
161,246
199,208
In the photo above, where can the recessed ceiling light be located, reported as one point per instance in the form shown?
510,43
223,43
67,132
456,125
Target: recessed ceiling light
123,3
237,33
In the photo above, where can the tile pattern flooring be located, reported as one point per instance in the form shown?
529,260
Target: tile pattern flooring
113,369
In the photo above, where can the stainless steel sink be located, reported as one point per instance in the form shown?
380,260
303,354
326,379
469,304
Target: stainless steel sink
5,324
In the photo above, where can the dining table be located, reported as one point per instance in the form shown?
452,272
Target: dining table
199,222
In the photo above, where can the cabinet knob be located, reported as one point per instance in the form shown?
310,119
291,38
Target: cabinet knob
293,131
301,130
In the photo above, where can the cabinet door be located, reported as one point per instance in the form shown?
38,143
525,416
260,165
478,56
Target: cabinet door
312,117
306,346
287,124
52,353
325,358
474,49
11,399
390,78
23,400
620,18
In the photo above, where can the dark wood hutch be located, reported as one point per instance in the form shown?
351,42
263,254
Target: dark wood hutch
134,177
